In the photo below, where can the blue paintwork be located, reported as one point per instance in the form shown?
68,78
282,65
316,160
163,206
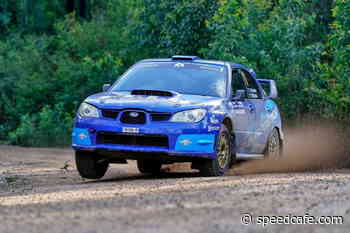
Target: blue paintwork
253,119
81,137
195,143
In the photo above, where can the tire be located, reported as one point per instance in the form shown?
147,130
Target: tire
89,166
149,166
273,147
225,155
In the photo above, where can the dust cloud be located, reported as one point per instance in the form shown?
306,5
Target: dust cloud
177,167
307,148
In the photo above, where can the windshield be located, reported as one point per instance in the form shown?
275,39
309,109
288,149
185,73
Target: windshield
185,78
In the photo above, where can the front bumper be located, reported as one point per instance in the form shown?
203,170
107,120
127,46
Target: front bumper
190,140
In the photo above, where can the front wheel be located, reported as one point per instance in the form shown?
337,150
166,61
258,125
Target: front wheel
224,155
89,166
274,147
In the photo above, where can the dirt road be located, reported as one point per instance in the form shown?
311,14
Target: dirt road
40,191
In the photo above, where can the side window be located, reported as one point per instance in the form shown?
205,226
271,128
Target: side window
237,82
252,87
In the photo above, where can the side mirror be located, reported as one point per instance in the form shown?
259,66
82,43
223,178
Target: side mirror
241,95
106,87
269,87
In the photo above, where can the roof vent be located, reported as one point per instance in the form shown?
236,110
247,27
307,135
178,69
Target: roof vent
184,58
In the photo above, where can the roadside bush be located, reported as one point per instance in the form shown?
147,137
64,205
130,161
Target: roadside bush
50,127
337,71
273,40
168,27
39,16
46,75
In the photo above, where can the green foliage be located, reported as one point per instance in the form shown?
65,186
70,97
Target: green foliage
336,73
8,14
41,75
39,16
50,127
51,59
173,27
339,39
275,41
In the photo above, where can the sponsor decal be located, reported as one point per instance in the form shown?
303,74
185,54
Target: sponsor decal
240,111
148,65
130,130
195,143
269,106
214,120
213,128
186,142
82,136
179,65
211,68
238,104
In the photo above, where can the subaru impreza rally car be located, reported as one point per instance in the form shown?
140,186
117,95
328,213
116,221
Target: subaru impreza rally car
181,109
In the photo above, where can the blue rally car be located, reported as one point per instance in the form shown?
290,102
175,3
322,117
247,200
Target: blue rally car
182,109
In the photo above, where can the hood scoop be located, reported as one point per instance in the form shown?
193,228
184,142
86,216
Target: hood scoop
153,93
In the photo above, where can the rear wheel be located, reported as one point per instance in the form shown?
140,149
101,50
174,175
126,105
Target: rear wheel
273,147
149,166
224,155
90,166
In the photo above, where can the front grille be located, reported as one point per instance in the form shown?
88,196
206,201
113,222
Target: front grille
133,117
160,116
109,113
132,140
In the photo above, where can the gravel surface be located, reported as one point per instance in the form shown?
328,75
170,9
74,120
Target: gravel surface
40,191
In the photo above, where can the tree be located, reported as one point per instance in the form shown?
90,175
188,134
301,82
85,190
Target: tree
273,39
169,27
38,16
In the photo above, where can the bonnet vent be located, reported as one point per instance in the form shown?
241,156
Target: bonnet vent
152,93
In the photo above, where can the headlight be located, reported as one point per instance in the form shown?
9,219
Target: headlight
87,110
190,116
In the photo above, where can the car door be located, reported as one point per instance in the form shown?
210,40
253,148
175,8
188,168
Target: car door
256,99
243,114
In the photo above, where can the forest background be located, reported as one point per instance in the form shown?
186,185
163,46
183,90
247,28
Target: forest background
54,53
